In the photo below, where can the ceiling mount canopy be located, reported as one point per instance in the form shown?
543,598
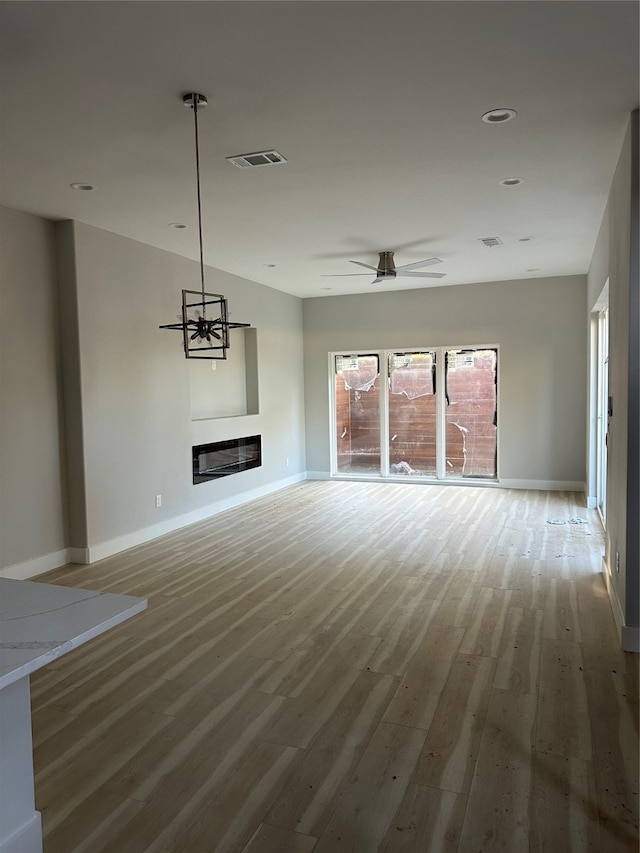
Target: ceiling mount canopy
204,318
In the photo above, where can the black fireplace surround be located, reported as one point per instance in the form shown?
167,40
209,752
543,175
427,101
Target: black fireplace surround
221,458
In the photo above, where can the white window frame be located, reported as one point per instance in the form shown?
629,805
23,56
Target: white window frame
383,360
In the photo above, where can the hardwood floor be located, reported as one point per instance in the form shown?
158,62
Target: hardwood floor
349,667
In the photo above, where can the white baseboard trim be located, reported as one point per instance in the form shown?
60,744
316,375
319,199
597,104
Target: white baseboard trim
630,639
27,838
543,485
538,485
592,502
629,636
139,537
79,555
616,607
37,566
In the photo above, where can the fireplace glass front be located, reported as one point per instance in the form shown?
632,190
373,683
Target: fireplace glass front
222,458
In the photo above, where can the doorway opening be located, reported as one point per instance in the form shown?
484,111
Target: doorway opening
603,411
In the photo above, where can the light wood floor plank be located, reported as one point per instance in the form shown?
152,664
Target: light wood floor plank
93,824
506,749
530,584
225,820
301,651
484,634
561,620
274,839
563,717
303,716
564,808
450,751
428,819
614,726
367,803
518,665
418,694
496,821
305,802
459,600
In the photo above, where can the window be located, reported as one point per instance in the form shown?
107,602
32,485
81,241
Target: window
412,414
357,407
426,413
471,406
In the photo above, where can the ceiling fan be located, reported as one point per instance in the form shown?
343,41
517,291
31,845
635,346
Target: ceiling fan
387,269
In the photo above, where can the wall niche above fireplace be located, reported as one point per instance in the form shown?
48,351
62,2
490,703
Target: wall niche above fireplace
221,458
229,388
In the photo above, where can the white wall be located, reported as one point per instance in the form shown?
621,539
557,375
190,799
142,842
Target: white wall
616,258
32,481
539,325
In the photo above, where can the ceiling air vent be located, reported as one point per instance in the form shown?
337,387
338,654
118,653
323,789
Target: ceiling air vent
491,241
257,158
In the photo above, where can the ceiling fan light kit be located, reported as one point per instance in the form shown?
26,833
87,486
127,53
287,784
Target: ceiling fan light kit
204,318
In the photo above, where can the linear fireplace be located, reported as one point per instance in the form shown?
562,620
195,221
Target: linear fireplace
222,458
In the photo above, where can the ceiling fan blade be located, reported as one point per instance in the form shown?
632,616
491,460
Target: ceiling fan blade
368,266
195,335
428,263
422,274
343,274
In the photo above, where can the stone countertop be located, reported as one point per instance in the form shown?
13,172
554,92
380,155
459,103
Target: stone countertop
39,622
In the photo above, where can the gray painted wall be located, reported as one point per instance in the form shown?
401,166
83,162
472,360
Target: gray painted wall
539,325
32,481
135,392
612,259
126,400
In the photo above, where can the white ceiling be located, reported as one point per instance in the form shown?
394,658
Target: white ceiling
376,105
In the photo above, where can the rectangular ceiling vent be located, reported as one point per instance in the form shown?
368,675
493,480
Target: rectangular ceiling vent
491,241
257,158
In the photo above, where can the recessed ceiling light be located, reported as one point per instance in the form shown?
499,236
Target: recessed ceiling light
177,225
270,266
499,116
524,239
511,182
534,269
79,185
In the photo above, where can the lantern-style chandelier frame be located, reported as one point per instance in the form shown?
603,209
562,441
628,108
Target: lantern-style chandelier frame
204,318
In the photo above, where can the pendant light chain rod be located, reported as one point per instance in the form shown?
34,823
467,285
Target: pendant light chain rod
195,118
202,338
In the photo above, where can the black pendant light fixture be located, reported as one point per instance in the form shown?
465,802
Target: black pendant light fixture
205,316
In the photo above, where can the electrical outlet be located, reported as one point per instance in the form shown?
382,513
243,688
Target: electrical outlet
213,365
287,461
158,500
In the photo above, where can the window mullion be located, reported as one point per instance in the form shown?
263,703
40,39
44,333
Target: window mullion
384,414
441,413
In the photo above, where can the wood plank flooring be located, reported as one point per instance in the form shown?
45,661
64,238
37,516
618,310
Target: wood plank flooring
349,667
